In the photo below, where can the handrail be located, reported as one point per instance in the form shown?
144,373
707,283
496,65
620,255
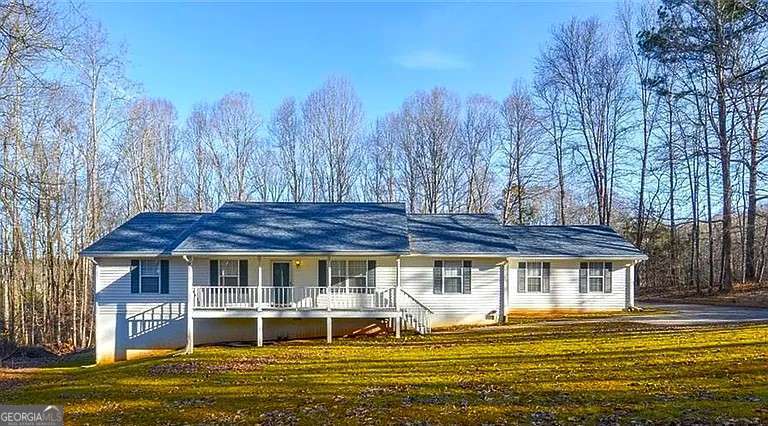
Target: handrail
413,299
290,297
415,314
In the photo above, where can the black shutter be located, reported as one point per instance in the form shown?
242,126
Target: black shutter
243,273
213,277
521,277
371,281
466,277
607,274
437,277
583,268
135,276
164,276
545,277
322,273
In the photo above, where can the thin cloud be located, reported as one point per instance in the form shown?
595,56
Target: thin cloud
431,60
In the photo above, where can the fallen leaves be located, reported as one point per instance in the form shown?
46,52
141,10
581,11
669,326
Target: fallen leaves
239,365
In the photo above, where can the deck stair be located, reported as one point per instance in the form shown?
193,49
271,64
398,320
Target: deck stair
415,315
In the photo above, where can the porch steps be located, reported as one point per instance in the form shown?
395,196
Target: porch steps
415,315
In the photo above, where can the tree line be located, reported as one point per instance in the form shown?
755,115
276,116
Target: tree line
652,122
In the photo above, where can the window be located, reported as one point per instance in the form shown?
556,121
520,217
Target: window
533,281
596,276
150,276
349,273
451,276
533,277
229,273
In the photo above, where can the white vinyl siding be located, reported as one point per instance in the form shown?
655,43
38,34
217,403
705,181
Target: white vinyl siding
564,289
114,285
128,321
459,308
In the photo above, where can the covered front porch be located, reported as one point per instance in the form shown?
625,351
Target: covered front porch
298,286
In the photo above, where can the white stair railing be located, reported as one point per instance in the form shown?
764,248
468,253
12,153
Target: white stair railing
415,315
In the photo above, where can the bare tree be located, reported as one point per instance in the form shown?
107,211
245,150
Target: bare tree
333,115
382,171
198,136
430,140
235,144
520,134
150,150
554,121
749,96
632,20
480,133
287,132
582,59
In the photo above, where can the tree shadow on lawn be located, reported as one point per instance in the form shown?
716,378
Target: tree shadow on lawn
466,401
355,381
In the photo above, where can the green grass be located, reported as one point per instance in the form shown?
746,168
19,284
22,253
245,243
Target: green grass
574,374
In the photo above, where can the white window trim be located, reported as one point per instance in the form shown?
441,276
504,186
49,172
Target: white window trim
461,276
346,275
221,272
142,275
601,276
528,277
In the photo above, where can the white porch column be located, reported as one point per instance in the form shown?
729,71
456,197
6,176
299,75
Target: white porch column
631,285
329,329
259,331
190,303
503,269
398,319
259,295
328,282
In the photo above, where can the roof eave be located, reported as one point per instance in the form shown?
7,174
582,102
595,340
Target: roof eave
638,256
463,254
113,253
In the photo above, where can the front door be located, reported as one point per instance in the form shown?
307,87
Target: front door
281,280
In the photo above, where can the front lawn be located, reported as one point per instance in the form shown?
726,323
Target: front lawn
586,373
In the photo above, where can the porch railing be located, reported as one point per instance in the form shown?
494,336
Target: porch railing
299,298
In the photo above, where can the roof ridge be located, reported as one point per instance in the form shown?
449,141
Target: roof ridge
314,202
451,214
591,225
177,212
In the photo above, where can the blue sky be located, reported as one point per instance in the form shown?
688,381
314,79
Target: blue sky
192,52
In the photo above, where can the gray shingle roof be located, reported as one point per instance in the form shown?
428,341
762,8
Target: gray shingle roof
571,241
459,234
145,233
350,227
300,228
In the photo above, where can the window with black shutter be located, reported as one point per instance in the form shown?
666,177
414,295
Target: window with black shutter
452,276
533,277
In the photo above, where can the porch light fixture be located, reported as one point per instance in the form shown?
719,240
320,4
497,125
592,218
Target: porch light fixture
297,262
